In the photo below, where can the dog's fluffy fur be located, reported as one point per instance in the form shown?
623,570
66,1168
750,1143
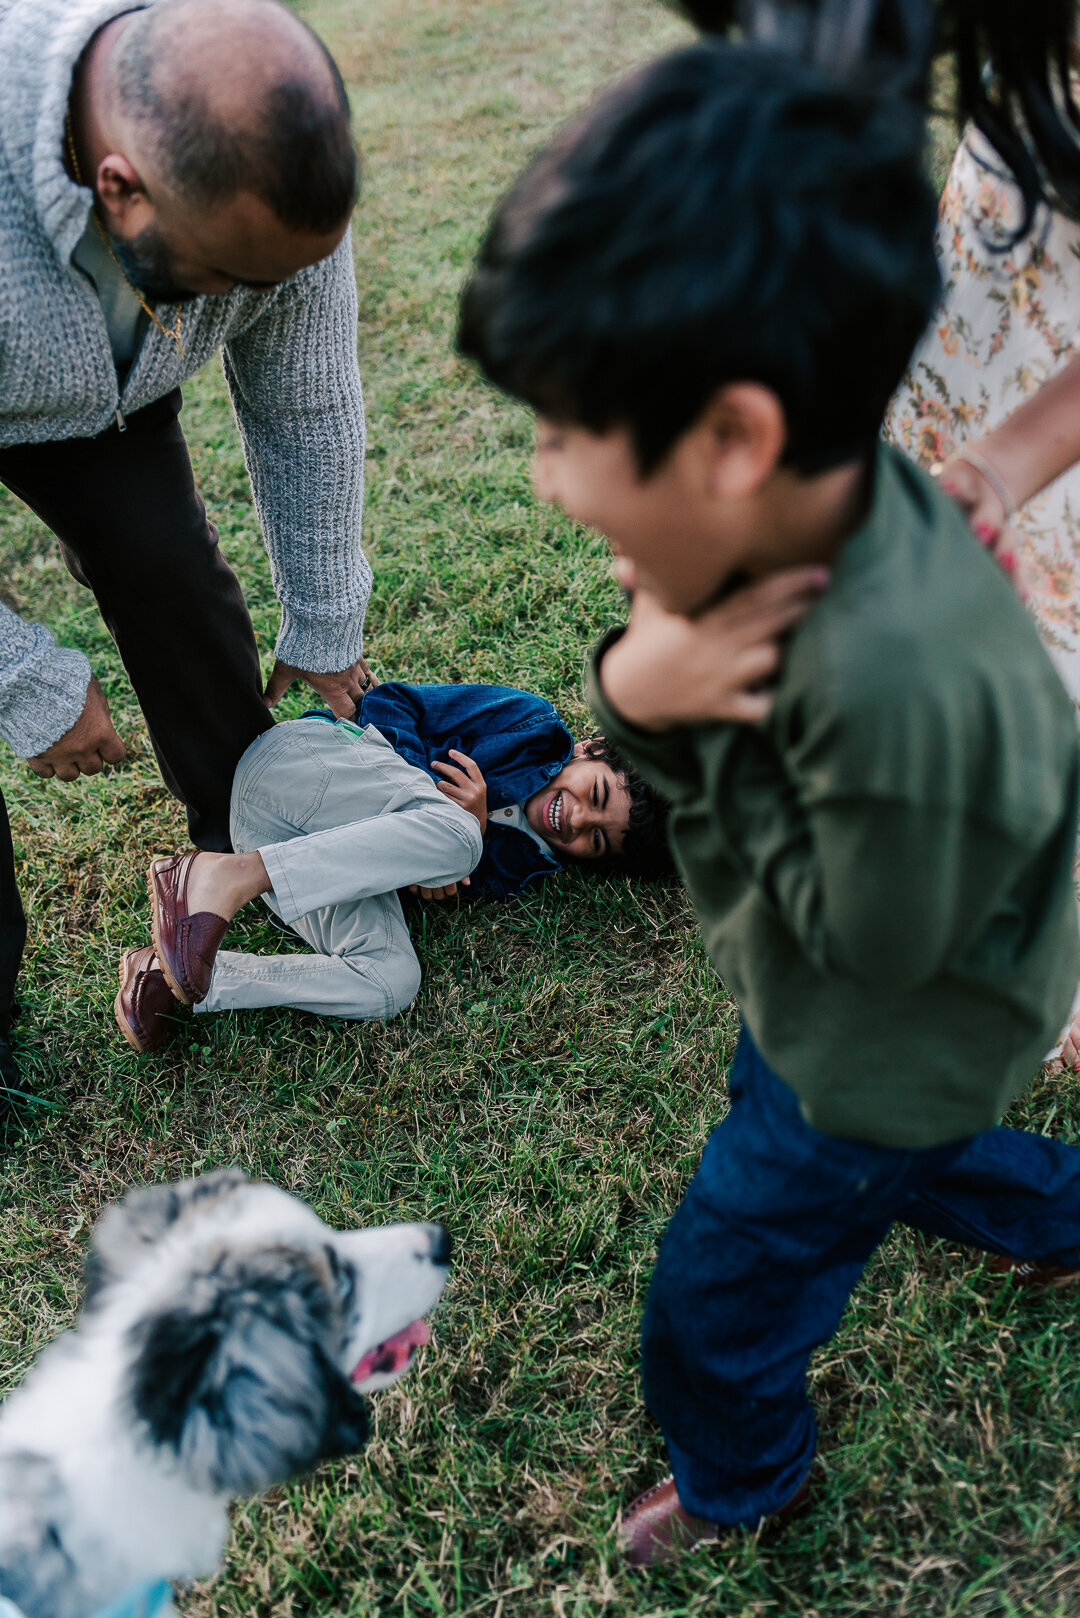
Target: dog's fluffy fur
225,1343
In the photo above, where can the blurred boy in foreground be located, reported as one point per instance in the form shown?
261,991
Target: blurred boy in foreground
708,289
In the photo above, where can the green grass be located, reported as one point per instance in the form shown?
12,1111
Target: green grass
551,1090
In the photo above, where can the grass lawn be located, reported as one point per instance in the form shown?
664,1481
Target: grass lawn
549,1093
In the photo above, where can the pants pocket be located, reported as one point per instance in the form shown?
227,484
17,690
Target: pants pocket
284,779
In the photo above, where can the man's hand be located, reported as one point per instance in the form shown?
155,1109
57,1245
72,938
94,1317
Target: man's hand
341,692
667,670
90,744
464,785
440,893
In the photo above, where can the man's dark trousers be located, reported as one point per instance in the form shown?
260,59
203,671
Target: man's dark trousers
762,1255
132,526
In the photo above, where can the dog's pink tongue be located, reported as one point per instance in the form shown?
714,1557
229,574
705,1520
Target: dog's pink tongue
395,1354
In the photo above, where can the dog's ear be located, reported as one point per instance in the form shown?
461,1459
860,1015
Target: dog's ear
129,1227
239,1381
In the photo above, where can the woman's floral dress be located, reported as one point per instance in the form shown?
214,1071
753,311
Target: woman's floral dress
1008,320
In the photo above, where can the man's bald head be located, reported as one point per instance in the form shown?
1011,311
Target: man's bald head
234,96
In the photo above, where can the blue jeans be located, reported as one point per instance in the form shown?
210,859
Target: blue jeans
763,1253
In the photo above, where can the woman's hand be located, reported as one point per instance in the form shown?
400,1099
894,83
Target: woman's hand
666,670
464,785
986,513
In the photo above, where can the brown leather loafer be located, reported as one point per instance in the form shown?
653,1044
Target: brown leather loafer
656,1529
1033,1272
186,945
144,1006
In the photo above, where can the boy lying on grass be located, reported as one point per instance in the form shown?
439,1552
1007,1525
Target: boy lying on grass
708,290
434,786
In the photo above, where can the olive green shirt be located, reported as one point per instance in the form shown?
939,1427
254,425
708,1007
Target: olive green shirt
882,870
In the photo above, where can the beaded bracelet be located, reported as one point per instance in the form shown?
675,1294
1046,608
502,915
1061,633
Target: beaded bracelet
993,477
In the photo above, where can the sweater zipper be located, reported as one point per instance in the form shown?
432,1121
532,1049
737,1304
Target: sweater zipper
121,424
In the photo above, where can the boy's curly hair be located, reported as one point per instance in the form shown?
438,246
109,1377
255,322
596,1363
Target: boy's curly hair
645,851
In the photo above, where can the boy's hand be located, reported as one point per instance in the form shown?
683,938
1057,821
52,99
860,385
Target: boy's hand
440,893
667,670
464,785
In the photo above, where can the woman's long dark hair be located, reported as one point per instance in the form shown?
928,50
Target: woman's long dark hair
1012,60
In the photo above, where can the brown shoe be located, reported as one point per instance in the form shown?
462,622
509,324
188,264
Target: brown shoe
144,1006
1033,1272
656,1529
186,945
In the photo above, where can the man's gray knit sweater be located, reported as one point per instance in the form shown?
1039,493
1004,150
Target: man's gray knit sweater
290,363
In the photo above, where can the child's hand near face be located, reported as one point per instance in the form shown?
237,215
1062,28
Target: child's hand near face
667,670
464,785
449,892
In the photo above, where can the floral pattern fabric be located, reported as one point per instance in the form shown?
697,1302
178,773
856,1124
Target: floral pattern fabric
1007,321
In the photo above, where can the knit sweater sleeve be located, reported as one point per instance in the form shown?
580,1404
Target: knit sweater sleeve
42,686
295,385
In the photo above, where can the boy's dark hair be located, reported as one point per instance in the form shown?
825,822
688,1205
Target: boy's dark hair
1013,67
645,851
726,215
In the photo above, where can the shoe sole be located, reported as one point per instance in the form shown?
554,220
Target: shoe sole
118,1012
155,930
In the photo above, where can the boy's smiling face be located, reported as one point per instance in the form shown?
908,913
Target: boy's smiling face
584,811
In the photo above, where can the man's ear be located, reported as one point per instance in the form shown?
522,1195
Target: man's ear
122,194
746,433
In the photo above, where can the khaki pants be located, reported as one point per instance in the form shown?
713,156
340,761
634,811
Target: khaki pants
341,823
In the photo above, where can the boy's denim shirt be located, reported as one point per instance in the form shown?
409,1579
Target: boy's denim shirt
518,743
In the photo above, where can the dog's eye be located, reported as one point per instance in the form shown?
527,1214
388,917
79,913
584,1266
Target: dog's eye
346,1288
344,1278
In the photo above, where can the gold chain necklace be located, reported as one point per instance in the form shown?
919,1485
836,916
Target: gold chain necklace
174,333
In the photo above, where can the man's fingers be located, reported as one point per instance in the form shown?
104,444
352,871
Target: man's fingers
276,686
44,771
113,750
342,707
454,771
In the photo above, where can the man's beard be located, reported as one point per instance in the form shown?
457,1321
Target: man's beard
144,259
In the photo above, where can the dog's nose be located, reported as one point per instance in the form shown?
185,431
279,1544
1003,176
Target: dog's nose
441,1245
